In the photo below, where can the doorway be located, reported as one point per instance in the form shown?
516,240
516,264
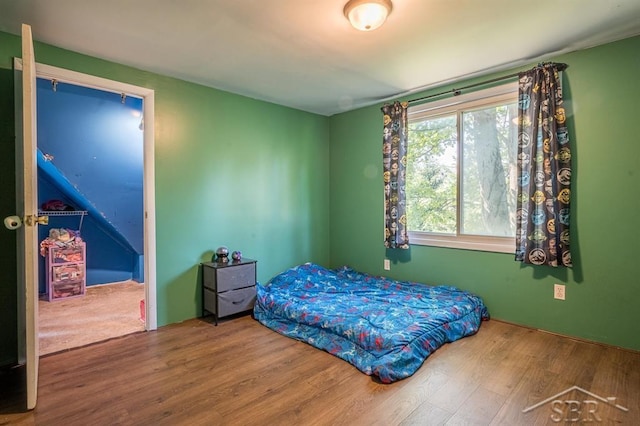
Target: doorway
143,245
90,185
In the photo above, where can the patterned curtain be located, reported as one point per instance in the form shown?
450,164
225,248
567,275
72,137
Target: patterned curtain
394,160
544,169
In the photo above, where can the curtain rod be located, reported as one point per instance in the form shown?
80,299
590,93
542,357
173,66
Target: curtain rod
456,92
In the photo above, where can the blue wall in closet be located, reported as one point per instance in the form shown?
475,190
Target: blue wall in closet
91,157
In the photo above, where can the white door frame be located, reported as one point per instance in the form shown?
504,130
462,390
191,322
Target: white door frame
148,97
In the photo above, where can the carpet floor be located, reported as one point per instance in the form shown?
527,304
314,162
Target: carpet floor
104,312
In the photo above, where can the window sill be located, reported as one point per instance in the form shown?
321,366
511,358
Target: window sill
465,242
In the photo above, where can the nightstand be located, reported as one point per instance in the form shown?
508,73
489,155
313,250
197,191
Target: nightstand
228,287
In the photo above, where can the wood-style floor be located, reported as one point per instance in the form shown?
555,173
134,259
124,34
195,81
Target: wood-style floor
241,373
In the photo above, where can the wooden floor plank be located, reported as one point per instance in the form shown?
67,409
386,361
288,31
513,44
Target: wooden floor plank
241,373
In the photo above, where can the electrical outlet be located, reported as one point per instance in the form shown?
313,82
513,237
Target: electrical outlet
387,265
558,291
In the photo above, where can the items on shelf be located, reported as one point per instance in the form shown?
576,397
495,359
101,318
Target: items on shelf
60,208
56,205
60,238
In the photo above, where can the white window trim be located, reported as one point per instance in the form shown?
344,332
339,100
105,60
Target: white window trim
463,241
446,105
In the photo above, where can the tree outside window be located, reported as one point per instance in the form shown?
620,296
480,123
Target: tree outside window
461,171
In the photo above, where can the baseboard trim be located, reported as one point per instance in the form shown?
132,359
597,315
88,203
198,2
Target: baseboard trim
578,339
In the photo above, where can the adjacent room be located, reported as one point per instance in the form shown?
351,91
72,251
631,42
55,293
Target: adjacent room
90,185
423,218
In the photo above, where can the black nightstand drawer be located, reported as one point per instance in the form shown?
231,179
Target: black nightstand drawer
236,277
234,301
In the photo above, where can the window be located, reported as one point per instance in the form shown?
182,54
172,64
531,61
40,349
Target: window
461,171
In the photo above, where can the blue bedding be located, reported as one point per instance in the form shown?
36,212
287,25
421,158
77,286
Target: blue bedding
383,327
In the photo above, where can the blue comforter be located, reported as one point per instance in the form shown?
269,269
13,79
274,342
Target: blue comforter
383,327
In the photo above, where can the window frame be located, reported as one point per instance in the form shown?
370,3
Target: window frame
506,93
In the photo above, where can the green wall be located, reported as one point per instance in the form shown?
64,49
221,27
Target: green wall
602,289
229,171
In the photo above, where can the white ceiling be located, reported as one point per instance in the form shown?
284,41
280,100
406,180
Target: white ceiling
305,55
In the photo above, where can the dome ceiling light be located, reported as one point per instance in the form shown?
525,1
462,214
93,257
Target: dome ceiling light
367,15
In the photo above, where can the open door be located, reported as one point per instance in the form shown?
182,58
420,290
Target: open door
26,201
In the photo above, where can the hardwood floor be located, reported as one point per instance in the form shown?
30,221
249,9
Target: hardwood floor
241,373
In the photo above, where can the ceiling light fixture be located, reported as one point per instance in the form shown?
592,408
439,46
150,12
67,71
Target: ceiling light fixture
367,15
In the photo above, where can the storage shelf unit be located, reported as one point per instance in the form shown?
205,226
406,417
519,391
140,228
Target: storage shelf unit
63,212
66,271
66,265
81,213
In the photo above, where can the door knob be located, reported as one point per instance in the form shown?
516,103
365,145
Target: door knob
31,220
14,222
